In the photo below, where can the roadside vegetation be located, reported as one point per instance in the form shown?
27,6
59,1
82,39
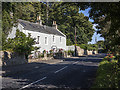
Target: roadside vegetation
108,73
89,46
21,44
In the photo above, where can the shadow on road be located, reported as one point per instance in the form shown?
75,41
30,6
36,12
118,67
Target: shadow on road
76,76
89,58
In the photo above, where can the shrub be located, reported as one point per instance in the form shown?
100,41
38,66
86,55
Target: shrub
107,75
51,53
83,46
109,57
70,52
40,55
44,51
89,46
21,44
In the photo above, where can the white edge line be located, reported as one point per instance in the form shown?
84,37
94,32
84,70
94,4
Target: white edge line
75,62
60,69
33,83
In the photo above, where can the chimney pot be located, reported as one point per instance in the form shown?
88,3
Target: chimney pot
39,20
54,24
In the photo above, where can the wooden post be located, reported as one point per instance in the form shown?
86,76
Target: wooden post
75,43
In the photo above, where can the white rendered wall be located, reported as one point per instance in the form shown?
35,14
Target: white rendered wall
42,44
50,42
13,32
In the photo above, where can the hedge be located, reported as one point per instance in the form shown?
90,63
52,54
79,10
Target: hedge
108,75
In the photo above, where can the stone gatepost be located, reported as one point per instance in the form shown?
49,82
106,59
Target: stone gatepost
45,55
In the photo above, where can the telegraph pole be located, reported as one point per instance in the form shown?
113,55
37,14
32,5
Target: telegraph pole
75,43
96,40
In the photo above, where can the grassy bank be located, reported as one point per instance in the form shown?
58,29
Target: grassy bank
108,75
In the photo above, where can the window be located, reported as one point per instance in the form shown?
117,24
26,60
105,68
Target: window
45,40
38,38
53,38
60,39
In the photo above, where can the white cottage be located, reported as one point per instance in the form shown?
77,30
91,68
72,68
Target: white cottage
47,38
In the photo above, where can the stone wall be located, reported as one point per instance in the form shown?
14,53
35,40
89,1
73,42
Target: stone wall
80,51
91,52
9,58
72,48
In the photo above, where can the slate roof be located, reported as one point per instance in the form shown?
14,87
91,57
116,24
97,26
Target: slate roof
38,28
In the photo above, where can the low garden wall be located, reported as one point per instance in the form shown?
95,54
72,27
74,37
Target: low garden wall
80,51
9,58
91,52
39,59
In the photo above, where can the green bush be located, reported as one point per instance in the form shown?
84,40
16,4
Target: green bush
21,44
40,55
83,46
89,46
70,52
108,75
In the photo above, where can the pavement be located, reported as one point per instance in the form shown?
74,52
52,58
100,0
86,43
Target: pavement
73,73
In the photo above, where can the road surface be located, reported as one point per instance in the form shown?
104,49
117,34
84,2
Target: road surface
70,73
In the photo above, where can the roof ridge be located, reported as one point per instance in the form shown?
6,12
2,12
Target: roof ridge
27,21
39,28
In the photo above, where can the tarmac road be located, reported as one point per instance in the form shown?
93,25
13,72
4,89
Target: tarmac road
70,73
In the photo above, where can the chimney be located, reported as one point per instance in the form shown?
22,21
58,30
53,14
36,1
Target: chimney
39,21
11,15
54,24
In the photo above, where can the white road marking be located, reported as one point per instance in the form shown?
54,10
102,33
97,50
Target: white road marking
75,62
33,83
60,69
88,62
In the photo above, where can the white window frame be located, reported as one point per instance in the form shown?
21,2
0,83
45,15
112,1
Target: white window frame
38,39
53,39
46,40
60,39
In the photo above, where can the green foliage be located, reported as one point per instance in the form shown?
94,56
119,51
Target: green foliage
6,22
41,55
89,46
83,46
21,44
106,16
107,75
51,52
44,51
69,42
70,52
66,15
92,47
11,11
109,57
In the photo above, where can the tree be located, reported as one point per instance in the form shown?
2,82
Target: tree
106,16
68,17
11,11
21,44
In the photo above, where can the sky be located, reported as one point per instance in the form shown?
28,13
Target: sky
97,36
